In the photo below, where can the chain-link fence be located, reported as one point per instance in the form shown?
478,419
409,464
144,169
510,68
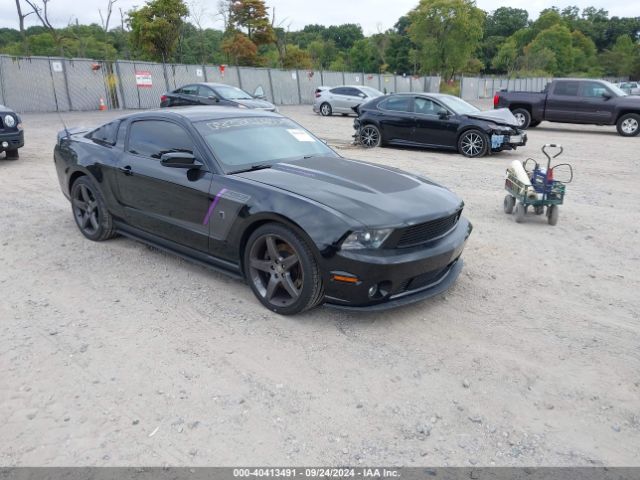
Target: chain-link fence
475,88
47,84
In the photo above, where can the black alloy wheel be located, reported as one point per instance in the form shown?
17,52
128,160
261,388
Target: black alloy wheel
89,211
370,136
282,270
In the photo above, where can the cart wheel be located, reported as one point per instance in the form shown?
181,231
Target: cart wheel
520,212
509,202
538,209
552,214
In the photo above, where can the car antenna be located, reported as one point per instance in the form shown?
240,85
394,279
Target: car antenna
66,130
55,99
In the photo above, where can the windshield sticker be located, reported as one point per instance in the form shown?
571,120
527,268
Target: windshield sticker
247,122
300,135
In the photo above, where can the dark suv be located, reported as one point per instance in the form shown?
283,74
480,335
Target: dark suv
11,134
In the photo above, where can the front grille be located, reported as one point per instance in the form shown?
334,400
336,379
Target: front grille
427,231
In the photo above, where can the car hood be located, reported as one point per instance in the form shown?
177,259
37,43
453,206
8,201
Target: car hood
373,195
4,109
503,116
255,103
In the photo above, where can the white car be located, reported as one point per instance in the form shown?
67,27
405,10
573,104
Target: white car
342,99
631,88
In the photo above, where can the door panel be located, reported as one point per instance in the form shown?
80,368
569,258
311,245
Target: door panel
398,119
594,107
563,102
430,129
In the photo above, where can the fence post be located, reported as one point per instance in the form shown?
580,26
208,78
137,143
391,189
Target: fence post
166,76
273,95
120,87
343,80
66,83
298,83
395,83
204,73
2,94
239,77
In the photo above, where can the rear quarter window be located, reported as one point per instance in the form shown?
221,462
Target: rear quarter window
569,89
106,134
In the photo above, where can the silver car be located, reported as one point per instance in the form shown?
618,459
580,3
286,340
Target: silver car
342,99
631,88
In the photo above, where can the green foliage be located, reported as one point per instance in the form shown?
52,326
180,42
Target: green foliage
505,21
155,28
447,33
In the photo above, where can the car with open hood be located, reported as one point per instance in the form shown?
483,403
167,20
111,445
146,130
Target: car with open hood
218,94
11,133
255,195
439,121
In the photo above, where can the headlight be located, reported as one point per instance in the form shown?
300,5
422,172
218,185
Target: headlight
242,106
366,239
9,121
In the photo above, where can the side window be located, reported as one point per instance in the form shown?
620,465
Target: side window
397,104
569,89
205,92
106,134
152,138
593,89
353,92
425,106
339,91
190,90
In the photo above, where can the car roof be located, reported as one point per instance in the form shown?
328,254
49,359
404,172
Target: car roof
200,113
208,84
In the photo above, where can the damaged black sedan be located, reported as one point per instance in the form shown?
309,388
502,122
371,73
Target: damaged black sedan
257,196
439,121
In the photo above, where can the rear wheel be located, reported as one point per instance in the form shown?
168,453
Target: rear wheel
473,143
553,212
523,117
282,270
90,211
520,213
12,154
326,110
370,136
629,125
509,202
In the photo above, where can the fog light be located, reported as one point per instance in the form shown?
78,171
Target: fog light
372,291
5,144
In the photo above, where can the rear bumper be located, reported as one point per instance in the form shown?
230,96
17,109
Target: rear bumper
401,276
14,140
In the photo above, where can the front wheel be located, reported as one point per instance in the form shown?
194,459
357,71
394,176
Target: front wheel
12,154
90,211
509,202
629,125
523,117
553,212
473,143
370,136
326,110
282,270
520,212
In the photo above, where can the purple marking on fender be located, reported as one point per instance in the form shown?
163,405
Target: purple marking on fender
212,207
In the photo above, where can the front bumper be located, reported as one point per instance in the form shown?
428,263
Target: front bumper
508,142
14,140
402,276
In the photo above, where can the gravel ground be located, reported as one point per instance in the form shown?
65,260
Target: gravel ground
118,354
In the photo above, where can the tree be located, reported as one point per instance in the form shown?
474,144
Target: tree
251,16
622,59
447,33
505,21
240,49
155,28
344,36
297,58
557,40
363,56
42,12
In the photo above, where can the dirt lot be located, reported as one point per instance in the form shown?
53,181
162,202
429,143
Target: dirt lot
117,354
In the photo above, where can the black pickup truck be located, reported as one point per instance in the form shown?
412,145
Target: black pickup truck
11,134
595,102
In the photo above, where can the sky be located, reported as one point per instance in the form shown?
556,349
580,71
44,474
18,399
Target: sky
372,15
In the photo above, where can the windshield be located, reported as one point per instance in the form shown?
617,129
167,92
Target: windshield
243,143
371,92
232,93
617,91
457,105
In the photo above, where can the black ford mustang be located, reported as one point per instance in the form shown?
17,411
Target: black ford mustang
259,197
436,120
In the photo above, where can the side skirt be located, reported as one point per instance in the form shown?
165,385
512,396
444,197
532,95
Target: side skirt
194,256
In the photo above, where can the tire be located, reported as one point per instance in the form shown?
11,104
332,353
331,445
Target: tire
370,136
534,123
473,143
509,202
326,110
90,210
282,286
553,212
520,213
628,125
12,154
523,117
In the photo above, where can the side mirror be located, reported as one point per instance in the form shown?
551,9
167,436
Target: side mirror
362,95
214,98
443,114
606,95
259,93
179,160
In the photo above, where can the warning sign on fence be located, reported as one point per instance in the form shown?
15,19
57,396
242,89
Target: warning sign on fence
143,79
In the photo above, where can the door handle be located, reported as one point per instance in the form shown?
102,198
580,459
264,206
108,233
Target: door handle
126,170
